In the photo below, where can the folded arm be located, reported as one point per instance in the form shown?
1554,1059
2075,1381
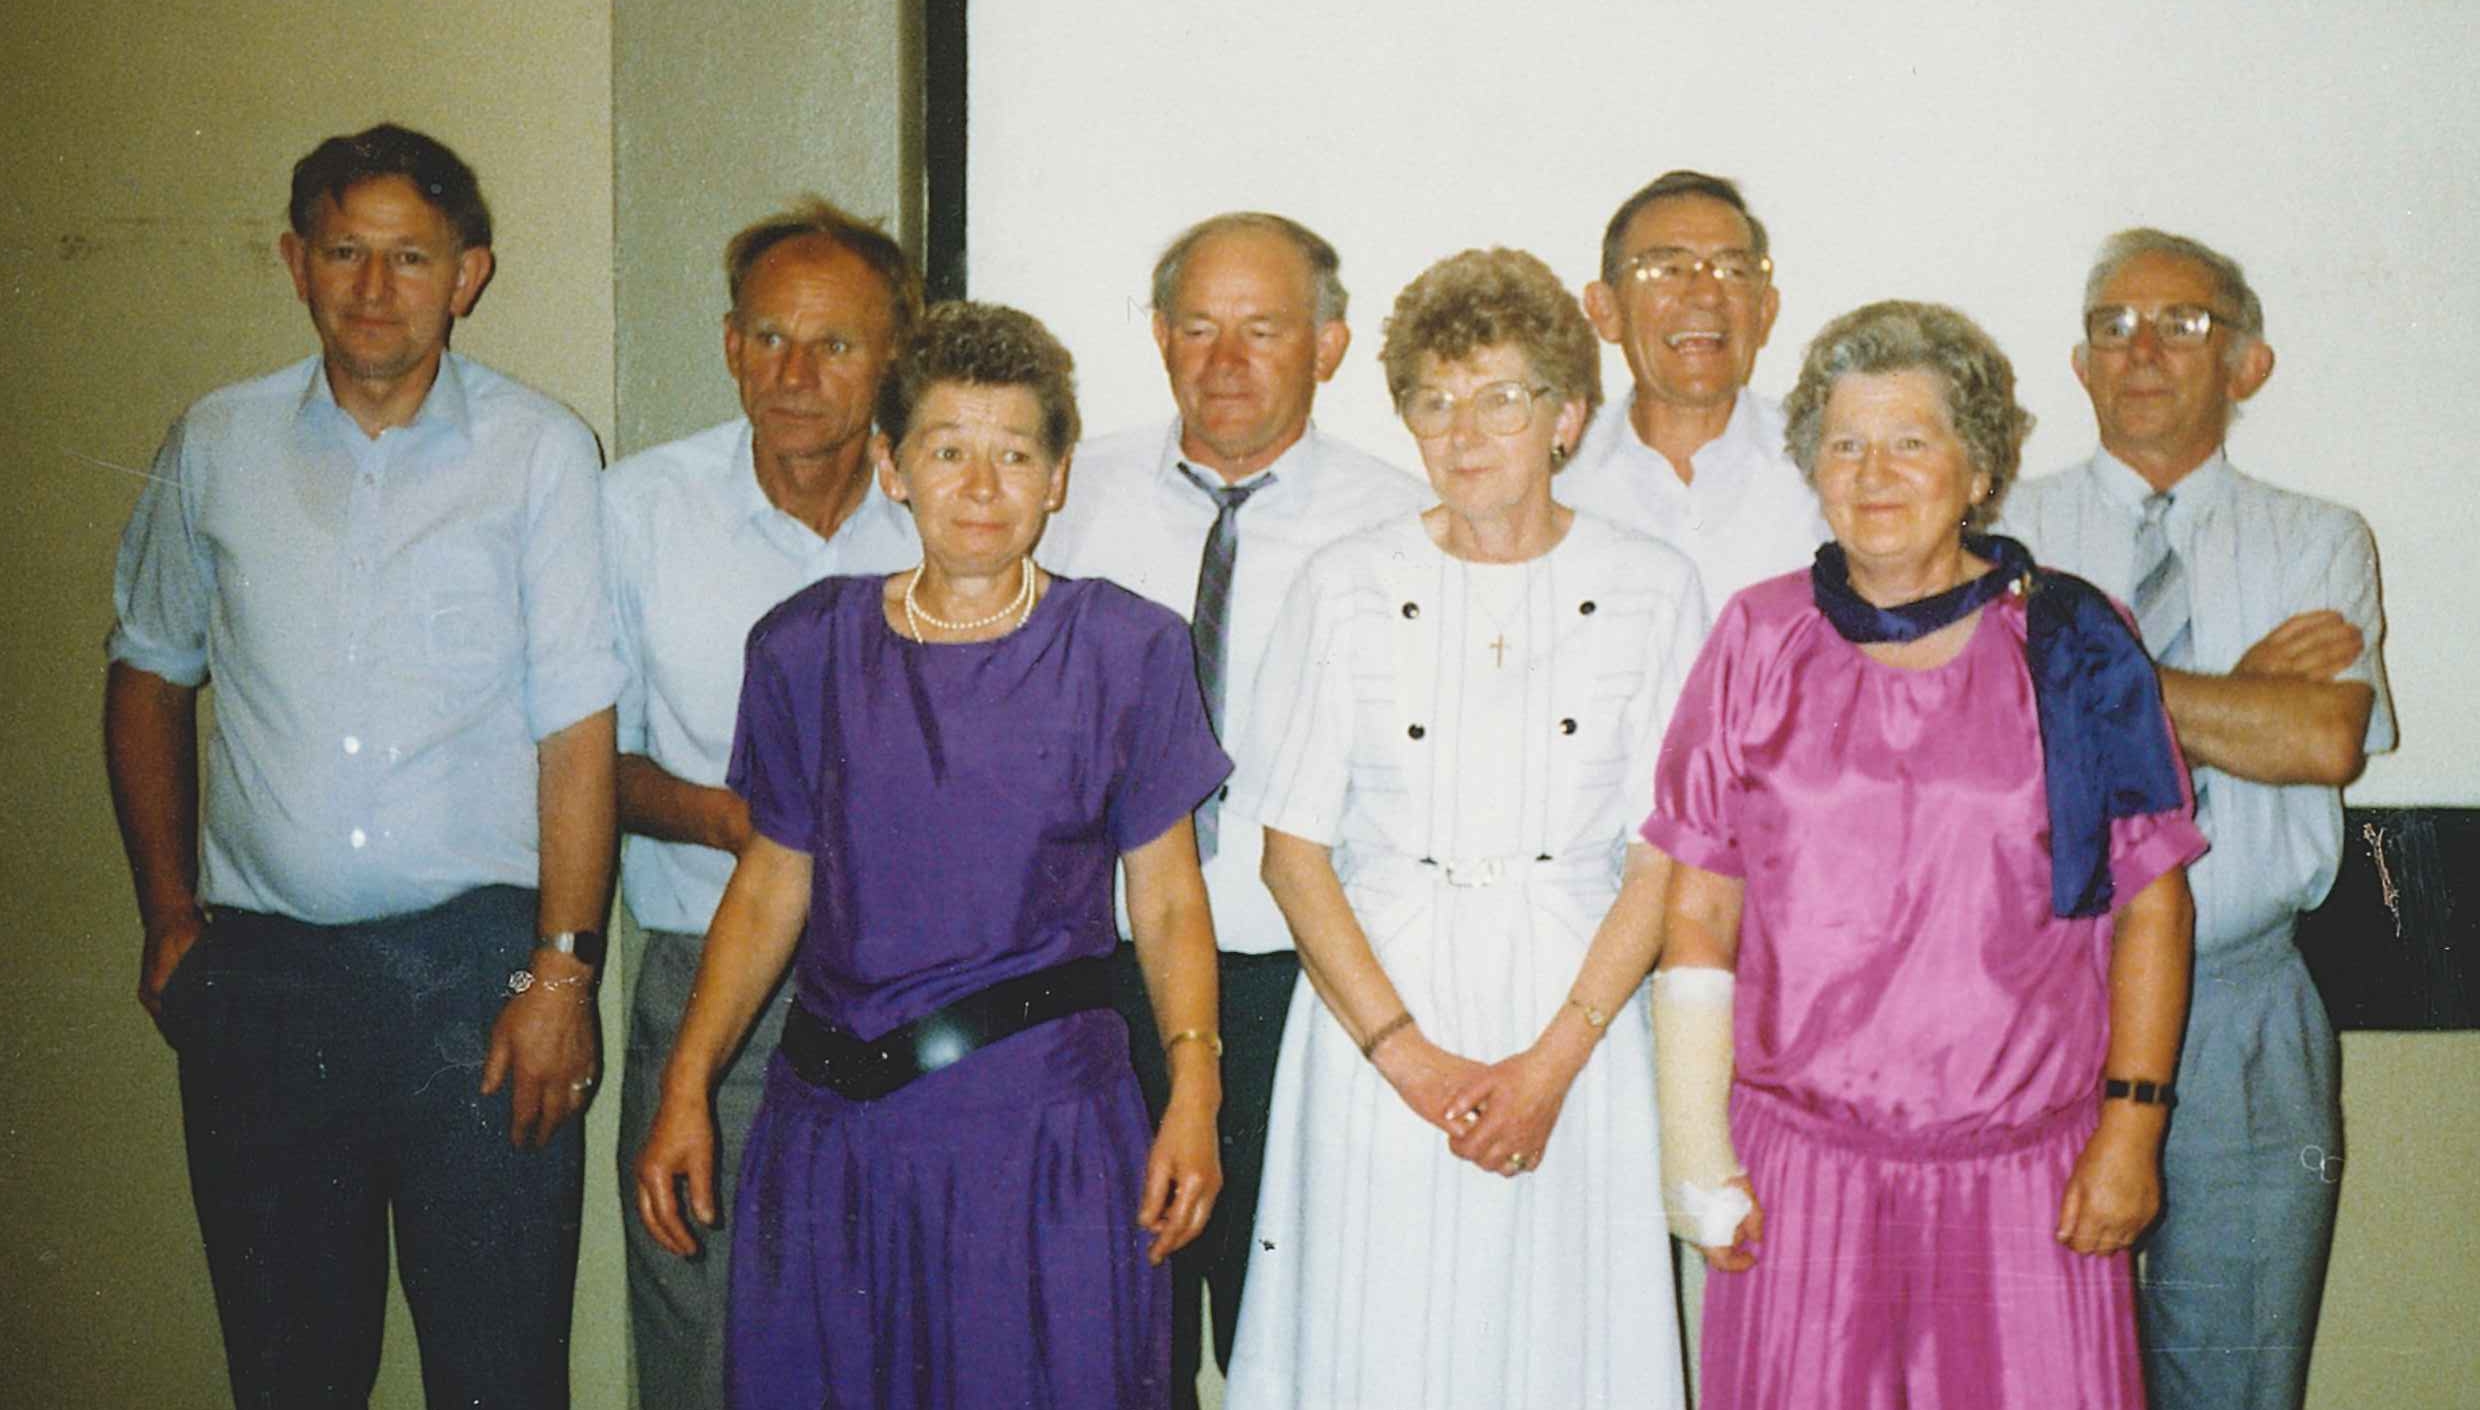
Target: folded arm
2282,715
657,803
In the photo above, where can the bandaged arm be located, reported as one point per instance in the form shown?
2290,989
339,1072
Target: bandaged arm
1692,1072
1691,1003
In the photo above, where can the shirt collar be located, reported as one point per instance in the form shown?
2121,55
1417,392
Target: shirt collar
444,408
754,510
2196,492
1292,469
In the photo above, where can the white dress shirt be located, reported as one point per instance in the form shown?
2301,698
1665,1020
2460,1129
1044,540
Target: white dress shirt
1132,517
2255,556
697,554
1748,515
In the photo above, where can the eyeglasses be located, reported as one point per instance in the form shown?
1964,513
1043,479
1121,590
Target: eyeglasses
2178,326
1670,267
1501,408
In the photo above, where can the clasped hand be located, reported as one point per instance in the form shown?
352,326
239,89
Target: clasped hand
1498,1115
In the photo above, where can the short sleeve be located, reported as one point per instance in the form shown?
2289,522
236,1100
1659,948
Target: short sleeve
1678,631
767,769
163,580
2351,584
1168,759
571,669
623,558
1296,754
1699,783
2144,846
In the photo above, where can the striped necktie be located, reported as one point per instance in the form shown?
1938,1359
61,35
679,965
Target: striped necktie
2161,603
2161,590
1209,624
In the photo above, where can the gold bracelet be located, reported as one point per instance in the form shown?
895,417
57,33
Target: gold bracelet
1594,1018
1207,1036
1386,1030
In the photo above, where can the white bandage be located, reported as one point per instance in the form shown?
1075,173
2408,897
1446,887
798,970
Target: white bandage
1692,1083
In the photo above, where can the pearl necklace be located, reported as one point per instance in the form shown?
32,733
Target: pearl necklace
915,614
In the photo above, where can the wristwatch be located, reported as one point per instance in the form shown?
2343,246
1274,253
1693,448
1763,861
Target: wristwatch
585,946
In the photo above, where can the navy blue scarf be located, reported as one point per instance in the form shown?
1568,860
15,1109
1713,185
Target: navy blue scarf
2104,749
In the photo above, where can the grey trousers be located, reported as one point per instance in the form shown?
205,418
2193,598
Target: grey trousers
676,1305
2230,1279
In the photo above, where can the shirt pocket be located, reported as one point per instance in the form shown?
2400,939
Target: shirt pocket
472,624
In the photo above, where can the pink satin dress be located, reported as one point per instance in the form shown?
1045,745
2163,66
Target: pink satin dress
1918,1040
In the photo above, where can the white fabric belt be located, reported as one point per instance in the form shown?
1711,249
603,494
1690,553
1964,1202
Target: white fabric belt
1583,864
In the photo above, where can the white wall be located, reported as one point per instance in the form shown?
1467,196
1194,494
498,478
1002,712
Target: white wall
1946,149
1958,150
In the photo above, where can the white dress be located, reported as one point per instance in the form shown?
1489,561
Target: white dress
1476,744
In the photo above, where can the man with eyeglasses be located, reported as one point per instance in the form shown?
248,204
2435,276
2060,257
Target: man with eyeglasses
1213,515
2260,607
1690,455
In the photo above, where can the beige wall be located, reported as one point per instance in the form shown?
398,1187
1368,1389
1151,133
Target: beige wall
713,132
141,192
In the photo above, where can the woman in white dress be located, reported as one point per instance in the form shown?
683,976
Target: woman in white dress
1456,734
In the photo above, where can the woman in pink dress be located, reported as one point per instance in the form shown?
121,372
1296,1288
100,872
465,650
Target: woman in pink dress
1931,905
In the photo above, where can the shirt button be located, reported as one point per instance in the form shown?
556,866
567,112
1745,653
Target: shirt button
353,744
1586,607
359,839
1416,731
1411,610
1568,725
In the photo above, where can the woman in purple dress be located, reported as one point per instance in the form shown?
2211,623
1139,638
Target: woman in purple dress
948,1197
1932,905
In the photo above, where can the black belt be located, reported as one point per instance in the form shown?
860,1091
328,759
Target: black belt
865,1069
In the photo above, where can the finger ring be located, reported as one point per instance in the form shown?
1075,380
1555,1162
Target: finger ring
581,1084
1516,1163
1470,1116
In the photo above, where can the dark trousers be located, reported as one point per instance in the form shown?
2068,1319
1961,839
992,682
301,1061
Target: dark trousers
1256,993
329,1085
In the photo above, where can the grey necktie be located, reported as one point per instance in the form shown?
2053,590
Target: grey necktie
1209,624
2162,611
2161,590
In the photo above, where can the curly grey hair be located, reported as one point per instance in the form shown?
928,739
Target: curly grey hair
1483,299
1899,336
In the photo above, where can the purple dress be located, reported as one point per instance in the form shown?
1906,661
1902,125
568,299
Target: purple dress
971,1239
1918,1040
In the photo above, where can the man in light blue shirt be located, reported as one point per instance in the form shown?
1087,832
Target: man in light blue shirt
2261,608
703,536
375,954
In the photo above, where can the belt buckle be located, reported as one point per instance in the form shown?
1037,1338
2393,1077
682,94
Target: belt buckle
1485,871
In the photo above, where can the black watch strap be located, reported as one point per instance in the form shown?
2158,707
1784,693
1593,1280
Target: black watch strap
586,946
